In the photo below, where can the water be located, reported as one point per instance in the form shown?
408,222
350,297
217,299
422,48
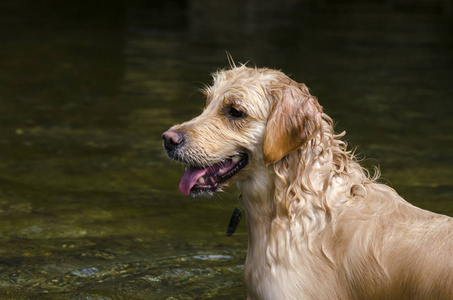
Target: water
89,205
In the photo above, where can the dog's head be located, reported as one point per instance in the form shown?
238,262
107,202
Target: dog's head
253,118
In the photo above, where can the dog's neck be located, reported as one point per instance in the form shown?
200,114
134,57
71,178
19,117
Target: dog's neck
291,202
256,196
273,194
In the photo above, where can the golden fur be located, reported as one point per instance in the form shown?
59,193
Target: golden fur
320,227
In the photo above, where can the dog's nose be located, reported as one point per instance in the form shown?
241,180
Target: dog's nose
172,139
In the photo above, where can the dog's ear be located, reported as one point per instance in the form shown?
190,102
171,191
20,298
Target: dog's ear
295,117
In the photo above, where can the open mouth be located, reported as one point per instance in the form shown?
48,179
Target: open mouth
208,179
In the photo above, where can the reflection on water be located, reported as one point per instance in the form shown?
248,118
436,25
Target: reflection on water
89,206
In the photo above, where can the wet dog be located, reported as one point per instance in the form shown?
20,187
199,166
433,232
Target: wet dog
320,227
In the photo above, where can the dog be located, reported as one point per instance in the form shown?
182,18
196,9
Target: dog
320,226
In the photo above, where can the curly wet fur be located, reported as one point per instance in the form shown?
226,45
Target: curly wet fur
320,227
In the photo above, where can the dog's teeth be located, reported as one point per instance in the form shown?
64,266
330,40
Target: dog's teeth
236,158
221,171
201,180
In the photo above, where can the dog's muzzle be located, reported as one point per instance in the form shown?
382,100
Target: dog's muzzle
172,141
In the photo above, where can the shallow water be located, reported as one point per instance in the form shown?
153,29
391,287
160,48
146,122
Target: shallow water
89,205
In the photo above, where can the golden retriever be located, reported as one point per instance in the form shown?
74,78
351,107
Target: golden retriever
320,227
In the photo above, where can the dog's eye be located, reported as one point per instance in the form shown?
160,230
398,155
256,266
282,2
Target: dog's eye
236,113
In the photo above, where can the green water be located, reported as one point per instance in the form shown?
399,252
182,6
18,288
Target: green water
90,206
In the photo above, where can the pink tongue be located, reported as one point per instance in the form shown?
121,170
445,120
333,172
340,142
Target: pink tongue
189,179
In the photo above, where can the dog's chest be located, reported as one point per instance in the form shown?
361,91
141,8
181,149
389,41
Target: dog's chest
269,277
268,284
289,272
